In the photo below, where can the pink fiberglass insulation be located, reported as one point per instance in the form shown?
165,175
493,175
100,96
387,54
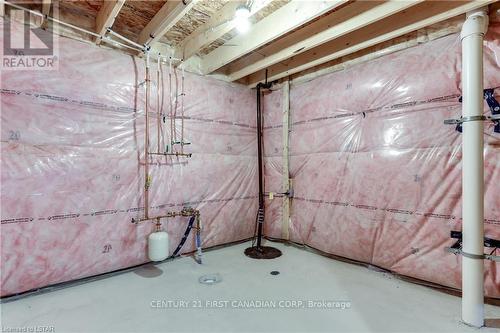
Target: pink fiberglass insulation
376,174
72,166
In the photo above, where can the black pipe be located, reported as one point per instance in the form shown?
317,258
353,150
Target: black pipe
260,214
186,234
259,251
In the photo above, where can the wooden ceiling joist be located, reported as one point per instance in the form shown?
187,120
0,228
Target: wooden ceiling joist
216,27
282,21
171,13
420,16
359,21
106,16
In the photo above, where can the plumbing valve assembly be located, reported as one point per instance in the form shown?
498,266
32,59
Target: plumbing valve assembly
158,240
158,247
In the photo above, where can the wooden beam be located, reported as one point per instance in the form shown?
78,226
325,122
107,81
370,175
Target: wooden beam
280,22
338,30
106,16
171,13
216,27
313,28
420,16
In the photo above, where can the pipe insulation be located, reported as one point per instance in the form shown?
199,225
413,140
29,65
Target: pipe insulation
472,36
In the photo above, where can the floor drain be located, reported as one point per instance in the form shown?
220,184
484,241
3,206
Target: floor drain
210,279
275,273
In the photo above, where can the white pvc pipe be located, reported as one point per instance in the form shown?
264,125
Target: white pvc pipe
133,45
169,58
472,36
91,33
125,39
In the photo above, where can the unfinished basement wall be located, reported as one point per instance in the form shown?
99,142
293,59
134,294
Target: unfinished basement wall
72,158
376,174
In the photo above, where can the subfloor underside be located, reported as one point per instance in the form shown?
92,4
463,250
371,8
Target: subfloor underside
305,293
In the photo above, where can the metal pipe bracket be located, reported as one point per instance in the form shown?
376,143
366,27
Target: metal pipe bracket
472,256
488,242
494,106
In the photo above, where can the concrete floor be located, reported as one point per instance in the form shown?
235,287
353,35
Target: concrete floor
129,302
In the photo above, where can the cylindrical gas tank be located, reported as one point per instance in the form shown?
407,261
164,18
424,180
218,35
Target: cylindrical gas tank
158,246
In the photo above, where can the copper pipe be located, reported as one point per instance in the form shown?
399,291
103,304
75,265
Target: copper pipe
176,105
134,46
158,116
146,142
184,212
173,154
162,115
182,111
171,107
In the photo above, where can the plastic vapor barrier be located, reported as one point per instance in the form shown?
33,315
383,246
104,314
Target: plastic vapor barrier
72,165
376,174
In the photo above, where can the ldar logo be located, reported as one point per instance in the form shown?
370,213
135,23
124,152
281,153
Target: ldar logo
26,45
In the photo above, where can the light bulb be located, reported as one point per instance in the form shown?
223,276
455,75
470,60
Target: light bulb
241,19
242,25
242,12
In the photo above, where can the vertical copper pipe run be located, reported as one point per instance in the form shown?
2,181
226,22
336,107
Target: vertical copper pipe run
176,106
162,114
146,142
158,115
182,111
171,106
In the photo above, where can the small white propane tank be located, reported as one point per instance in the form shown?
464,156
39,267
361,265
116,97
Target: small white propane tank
158,246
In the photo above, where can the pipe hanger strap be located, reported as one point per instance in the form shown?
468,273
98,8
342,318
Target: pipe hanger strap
488,242
494,106
464,120
472,256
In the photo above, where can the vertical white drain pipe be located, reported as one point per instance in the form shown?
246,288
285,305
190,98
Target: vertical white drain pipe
472,36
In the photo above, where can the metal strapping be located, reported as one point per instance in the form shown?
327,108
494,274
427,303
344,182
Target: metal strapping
471,255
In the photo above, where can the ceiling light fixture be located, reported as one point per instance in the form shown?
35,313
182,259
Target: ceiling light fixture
242,19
